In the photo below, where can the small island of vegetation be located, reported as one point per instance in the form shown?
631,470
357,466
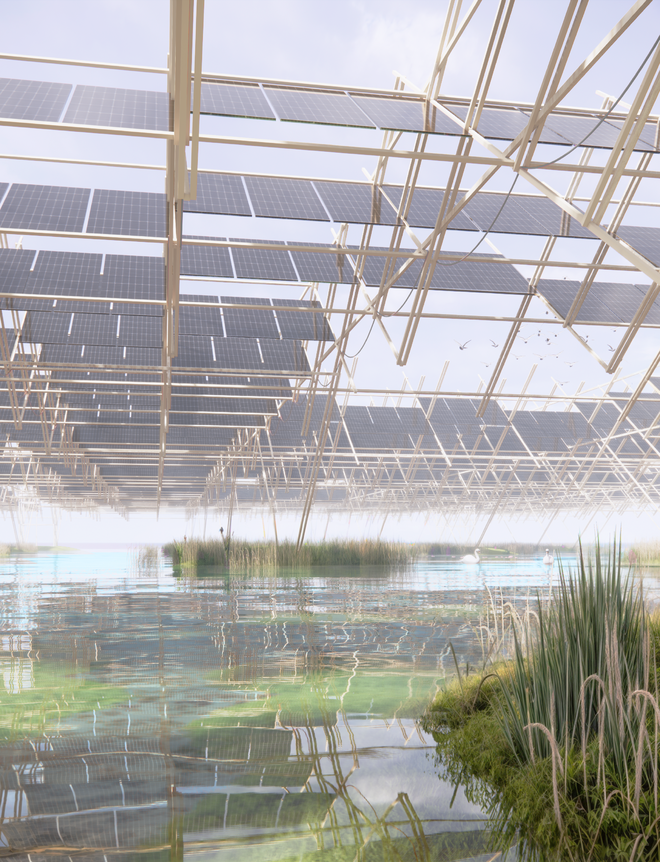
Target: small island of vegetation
560,743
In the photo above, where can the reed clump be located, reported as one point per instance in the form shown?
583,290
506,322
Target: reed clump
560,743
240,556
643,554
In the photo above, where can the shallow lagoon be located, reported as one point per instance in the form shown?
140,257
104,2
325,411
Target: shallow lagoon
235,717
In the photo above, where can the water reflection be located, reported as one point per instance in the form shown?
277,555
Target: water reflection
247,717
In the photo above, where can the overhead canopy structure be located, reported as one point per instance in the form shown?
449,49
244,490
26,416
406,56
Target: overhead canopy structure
119,389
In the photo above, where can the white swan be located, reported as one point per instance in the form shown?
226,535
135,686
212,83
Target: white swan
547,560
471,558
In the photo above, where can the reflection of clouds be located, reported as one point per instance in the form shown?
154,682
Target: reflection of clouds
412,772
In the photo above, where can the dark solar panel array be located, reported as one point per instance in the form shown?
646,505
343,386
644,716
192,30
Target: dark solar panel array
359,203
300,324
605,302
112,106
219,193
645,240
72,273
127,213
478,275
134,277
243,322
41,101
33,207
200,321
206,260
274,197
312,106
406,115
268,264
235,100
321,267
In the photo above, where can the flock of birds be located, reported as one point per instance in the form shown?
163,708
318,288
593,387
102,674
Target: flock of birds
526,337
474,559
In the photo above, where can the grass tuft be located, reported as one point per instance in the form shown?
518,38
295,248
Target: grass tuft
248,556
560,742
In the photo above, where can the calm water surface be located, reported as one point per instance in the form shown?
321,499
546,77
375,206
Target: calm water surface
149,716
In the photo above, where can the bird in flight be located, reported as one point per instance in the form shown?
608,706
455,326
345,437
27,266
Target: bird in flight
611,349
462,346
493,343
570,364
516,357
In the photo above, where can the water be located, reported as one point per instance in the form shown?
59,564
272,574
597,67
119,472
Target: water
234,717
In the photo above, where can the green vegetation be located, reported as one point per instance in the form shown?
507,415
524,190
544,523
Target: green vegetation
560,744
247,556
643,554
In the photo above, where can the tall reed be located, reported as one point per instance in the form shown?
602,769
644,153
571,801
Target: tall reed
248,556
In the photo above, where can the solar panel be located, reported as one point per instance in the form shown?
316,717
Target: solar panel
268,264
219,193
584,131
359,203
477,275
321,267
317,106
42,101
225,353
127,213
138,330
55,208
553,220
235,100
134,277
623,300
561,293
406,115
501,214
246,323
274,197
425,208
73,273
374,267
226,420
15,266
45,326
200,404
645,240
646,141
112,106
200,321
206,260
300,324
285,356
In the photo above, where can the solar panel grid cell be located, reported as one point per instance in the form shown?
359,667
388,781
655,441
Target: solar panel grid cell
197,404
206,260
322,267
15,266
138,330
585,131
561,293
246,323
42,101
302,325
407,115
72,273
496,212
286,356
235,100
134,277
312,106
267,264
274,197
112,106
645,240
123,213
51,208
200,321
359,203
223,194
481,276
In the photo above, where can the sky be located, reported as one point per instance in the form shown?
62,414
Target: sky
347,42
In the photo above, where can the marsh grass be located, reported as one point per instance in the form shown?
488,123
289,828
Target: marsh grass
561,742
249,556
643,554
